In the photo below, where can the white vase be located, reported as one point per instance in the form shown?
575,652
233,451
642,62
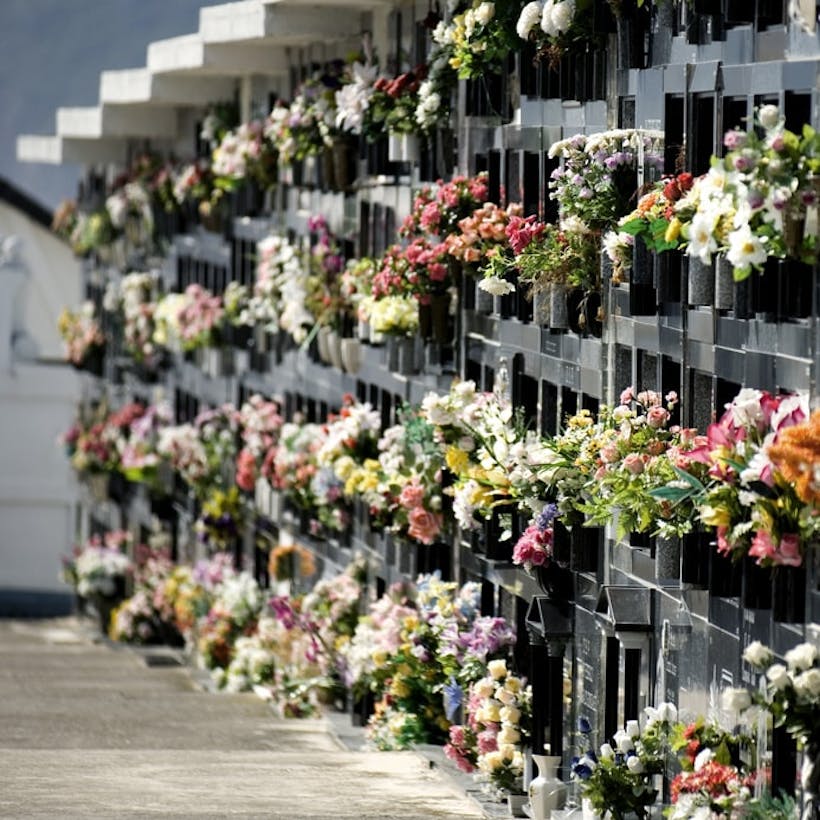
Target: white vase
516,803
334,349
410,148
323,344
547,791
351,355
395,147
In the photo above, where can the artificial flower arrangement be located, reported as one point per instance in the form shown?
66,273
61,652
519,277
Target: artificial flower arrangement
199,318
92,233
325,262
89,443
618,779
138,449
130,213
101,565
290,465
136,297
403,487
753,507
436,211
221,520
260,423
792,695
655,220
752,203
488,451
192,183
81,333
482,234
639,454
393,103
414,643
290,562
479,37
243,154
491,743
145,617
235,607
306,126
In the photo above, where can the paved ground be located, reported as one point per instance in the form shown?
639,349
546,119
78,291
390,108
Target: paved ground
90,730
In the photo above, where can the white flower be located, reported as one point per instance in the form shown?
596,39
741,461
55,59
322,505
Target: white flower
801,657
562,15
496,286
769,116
757,654
633,729
484,13
702,241
704,756
528,19
546,19
778,676
745,407
807,684
623,741
509,735
745,249
509,714
497,669
633,763
735,699
607,752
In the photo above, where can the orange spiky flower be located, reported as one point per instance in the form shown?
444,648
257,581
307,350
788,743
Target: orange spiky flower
797,456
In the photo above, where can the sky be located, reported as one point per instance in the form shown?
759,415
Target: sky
51,55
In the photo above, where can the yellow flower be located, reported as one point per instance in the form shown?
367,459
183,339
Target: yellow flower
399,689
672,230
715,516
379,658
457,460
344,467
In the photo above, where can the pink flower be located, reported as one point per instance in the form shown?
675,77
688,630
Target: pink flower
245,470
788,551
634,463
657,416
762,547
609,453
723,546
412,495
424,525
487,742
627,395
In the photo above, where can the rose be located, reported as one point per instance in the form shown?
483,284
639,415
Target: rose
633,729
788,551
778,676
510,714
807,684
509,735
803,656
497,669
757,654
634,463
634,764
769,116
424,525
657,416
484,13
736,700
607,752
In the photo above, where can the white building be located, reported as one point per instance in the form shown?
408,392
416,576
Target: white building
38,395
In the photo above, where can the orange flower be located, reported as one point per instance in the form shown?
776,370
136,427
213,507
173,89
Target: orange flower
797,456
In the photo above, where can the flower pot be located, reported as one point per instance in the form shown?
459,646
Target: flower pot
343,164
410,148
547,792
440,309
425,320
540,307
695,552
395,147
725,575
757,585
334,349
351,355
667,558
700,282
794,225
559,315
484,302
323,344
516,803
789,595
585,549
724,284
743,307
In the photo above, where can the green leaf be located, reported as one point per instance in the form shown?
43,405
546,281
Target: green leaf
633,226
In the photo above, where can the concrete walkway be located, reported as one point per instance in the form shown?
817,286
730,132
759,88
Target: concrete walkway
90,730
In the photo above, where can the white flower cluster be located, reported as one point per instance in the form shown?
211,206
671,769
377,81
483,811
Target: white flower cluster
132,200
240,596
353,98
97,569
554,17
253,664
237,148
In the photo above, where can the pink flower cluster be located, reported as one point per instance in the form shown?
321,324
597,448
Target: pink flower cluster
201,314
534,547
482,232
424,525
